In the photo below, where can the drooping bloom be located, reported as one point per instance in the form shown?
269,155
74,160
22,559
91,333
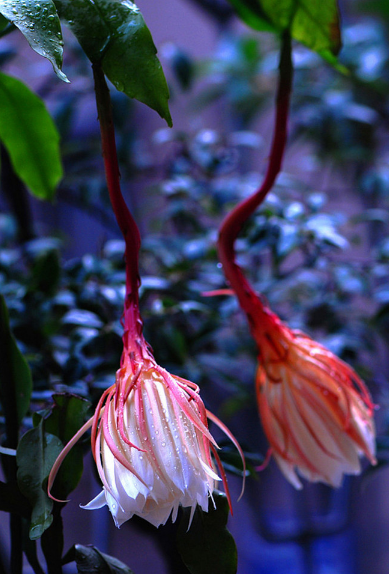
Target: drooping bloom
316,412
152,445
150,436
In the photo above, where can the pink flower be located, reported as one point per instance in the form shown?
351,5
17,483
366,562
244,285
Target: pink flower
316,412
151,444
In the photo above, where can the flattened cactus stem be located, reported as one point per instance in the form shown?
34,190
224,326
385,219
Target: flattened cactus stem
234,221
128,227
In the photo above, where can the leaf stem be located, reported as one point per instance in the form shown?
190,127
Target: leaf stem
52,542
127,224
234,221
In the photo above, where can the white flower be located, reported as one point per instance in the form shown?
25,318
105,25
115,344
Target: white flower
152,446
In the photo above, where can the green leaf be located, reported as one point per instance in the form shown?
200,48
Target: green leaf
208,547
316,24
39,23
30,136
114,34
15,375
90,560
65,418
252,13
36,454
312,22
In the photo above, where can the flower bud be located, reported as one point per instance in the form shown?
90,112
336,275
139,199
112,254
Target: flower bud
316,412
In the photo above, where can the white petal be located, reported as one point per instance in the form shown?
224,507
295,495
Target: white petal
98,502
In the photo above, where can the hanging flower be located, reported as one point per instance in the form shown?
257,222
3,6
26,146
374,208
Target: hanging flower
150,437
316,412
151,444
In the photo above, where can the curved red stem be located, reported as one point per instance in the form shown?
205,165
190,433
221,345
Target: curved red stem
234,221
127,224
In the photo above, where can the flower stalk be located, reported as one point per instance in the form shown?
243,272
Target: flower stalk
149,434
132,321
316,412
234,221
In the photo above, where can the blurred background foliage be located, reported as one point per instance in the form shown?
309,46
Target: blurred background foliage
318,248
324,268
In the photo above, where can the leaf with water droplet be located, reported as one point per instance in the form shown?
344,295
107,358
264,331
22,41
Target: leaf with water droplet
114,34
38,22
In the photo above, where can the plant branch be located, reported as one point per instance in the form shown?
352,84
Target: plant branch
234,221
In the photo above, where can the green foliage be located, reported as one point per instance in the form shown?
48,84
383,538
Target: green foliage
208,547
111,32
15,375
39,23
252,12
63,420
66,315
36,455
90,560
31,139
312,22
37,452
71,328
123,45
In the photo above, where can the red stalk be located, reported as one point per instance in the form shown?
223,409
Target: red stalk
234,221
127,224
